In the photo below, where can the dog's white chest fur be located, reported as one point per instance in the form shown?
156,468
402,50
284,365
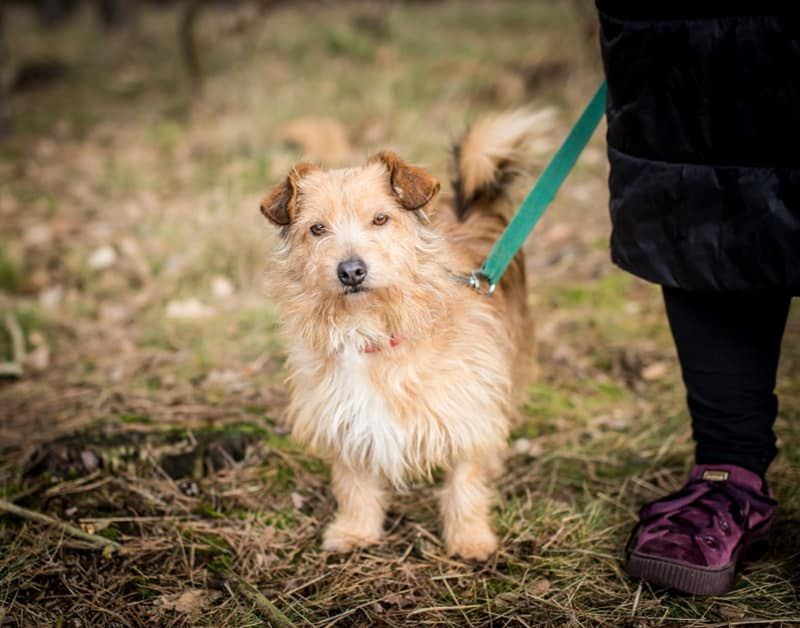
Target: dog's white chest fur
352,417
360,416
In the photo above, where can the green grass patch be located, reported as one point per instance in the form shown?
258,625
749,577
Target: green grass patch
10,272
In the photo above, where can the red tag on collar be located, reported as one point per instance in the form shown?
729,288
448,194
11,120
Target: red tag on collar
393,342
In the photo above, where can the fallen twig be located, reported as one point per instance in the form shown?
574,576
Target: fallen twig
274,614
31,515
10,369
17,338
188,40
14,367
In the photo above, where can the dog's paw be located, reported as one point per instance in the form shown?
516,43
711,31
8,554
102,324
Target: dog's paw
340,538
473,544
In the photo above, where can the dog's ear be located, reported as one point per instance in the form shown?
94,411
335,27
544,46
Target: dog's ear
413,186
280,205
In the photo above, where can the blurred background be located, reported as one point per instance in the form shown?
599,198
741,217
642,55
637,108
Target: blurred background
141,376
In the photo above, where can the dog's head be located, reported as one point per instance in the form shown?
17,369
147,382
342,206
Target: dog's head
349,233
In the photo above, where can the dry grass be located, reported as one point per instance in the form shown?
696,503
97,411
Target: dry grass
132,259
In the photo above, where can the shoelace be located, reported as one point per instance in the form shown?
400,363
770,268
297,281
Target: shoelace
702,495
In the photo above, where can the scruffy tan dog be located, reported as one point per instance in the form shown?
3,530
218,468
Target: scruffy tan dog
396,366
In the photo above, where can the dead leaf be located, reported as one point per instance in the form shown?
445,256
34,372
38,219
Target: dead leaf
616,422
319,138
732,612
397,599
654,371
38,235
188,309
39,359
593,156
130,247
506,600
632,308
267,534
113,313
372,133
540,586
558,235
189,602
506,89
376,608
225,378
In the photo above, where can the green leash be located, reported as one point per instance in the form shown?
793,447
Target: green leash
542,194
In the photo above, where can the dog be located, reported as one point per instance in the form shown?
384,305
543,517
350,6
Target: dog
396,366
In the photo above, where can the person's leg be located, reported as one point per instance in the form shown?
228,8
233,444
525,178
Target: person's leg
729,345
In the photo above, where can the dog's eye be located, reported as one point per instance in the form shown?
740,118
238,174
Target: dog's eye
380,219
318,229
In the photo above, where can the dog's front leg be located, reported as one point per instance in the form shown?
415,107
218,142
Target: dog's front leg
465,506
360,497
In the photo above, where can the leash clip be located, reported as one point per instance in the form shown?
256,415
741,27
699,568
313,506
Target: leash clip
476,278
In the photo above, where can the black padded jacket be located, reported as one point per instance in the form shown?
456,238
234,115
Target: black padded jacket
703,118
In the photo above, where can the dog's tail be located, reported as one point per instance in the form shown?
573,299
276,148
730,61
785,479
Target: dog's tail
491,155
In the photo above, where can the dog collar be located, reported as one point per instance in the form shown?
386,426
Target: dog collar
393,342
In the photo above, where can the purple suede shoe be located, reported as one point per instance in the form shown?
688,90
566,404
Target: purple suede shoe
693,540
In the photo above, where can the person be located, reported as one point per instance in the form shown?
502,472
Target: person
703,116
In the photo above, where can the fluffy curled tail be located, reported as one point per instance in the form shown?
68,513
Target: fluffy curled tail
491,155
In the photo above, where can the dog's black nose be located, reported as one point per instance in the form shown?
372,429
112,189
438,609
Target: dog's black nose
352,272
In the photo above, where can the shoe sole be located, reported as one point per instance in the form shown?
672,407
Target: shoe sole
695,580
680,577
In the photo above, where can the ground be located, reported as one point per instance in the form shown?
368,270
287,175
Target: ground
133,262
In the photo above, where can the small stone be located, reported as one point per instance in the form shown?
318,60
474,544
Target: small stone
102,258
116,373
188,309
50,298
221,287
189,488
527,447
520,446
90,460
298,500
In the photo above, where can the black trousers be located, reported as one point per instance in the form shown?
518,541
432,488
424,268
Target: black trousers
729,346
